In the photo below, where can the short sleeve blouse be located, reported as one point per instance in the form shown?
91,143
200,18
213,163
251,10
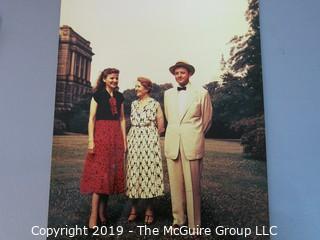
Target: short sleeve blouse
109,108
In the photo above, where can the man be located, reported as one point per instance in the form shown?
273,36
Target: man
188,111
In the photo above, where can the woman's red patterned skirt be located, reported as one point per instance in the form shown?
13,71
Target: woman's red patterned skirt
104,170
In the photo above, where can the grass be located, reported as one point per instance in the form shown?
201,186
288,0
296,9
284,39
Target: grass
234,191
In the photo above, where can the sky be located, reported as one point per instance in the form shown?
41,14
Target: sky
146,37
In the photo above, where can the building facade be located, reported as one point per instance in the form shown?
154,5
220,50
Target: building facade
73,72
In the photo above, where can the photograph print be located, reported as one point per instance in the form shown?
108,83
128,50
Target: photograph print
159,126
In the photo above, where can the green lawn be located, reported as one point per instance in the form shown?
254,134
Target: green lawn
234,190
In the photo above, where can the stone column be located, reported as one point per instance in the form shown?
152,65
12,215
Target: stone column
88,70
73,55
79,70
84,70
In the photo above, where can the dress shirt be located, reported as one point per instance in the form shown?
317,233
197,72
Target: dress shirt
182,98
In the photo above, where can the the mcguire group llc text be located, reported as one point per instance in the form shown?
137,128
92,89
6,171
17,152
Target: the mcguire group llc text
143,230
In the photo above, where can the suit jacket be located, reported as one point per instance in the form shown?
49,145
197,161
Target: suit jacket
190,127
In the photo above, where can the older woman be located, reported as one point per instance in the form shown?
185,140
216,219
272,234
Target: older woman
144,170
103,169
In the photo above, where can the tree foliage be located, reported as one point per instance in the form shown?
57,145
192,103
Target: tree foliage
79,116
238,100
59,127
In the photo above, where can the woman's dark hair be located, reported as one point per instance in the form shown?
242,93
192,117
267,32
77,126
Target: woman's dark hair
100,83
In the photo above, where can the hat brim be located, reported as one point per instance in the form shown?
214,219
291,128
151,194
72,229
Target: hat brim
189,67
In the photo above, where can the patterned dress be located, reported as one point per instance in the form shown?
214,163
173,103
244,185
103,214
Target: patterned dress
144,170
103,171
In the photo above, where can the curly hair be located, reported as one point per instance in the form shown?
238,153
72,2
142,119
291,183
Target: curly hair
100,83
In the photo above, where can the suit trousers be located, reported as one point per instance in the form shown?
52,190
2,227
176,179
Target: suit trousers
184,179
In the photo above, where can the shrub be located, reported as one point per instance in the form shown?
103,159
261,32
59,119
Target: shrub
78,123
253,136
59,127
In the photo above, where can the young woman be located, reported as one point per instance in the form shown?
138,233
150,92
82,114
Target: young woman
103,169
144,170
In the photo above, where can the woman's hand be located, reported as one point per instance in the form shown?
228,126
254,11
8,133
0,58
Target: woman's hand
92,120
91,147
125,148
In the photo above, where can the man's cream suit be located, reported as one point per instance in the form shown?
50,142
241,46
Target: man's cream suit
189,117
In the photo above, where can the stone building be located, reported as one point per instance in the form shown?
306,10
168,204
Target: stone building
73,72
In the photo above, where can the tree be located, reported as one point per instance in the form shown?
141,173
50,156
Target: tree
245,59
228,105
238,102
212,87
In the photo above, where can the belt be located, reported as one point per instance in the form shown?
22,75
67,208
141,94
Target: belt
141,125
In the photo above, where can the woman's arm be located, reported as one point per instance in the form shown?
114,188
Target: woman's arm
92,119
160,120
123,127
